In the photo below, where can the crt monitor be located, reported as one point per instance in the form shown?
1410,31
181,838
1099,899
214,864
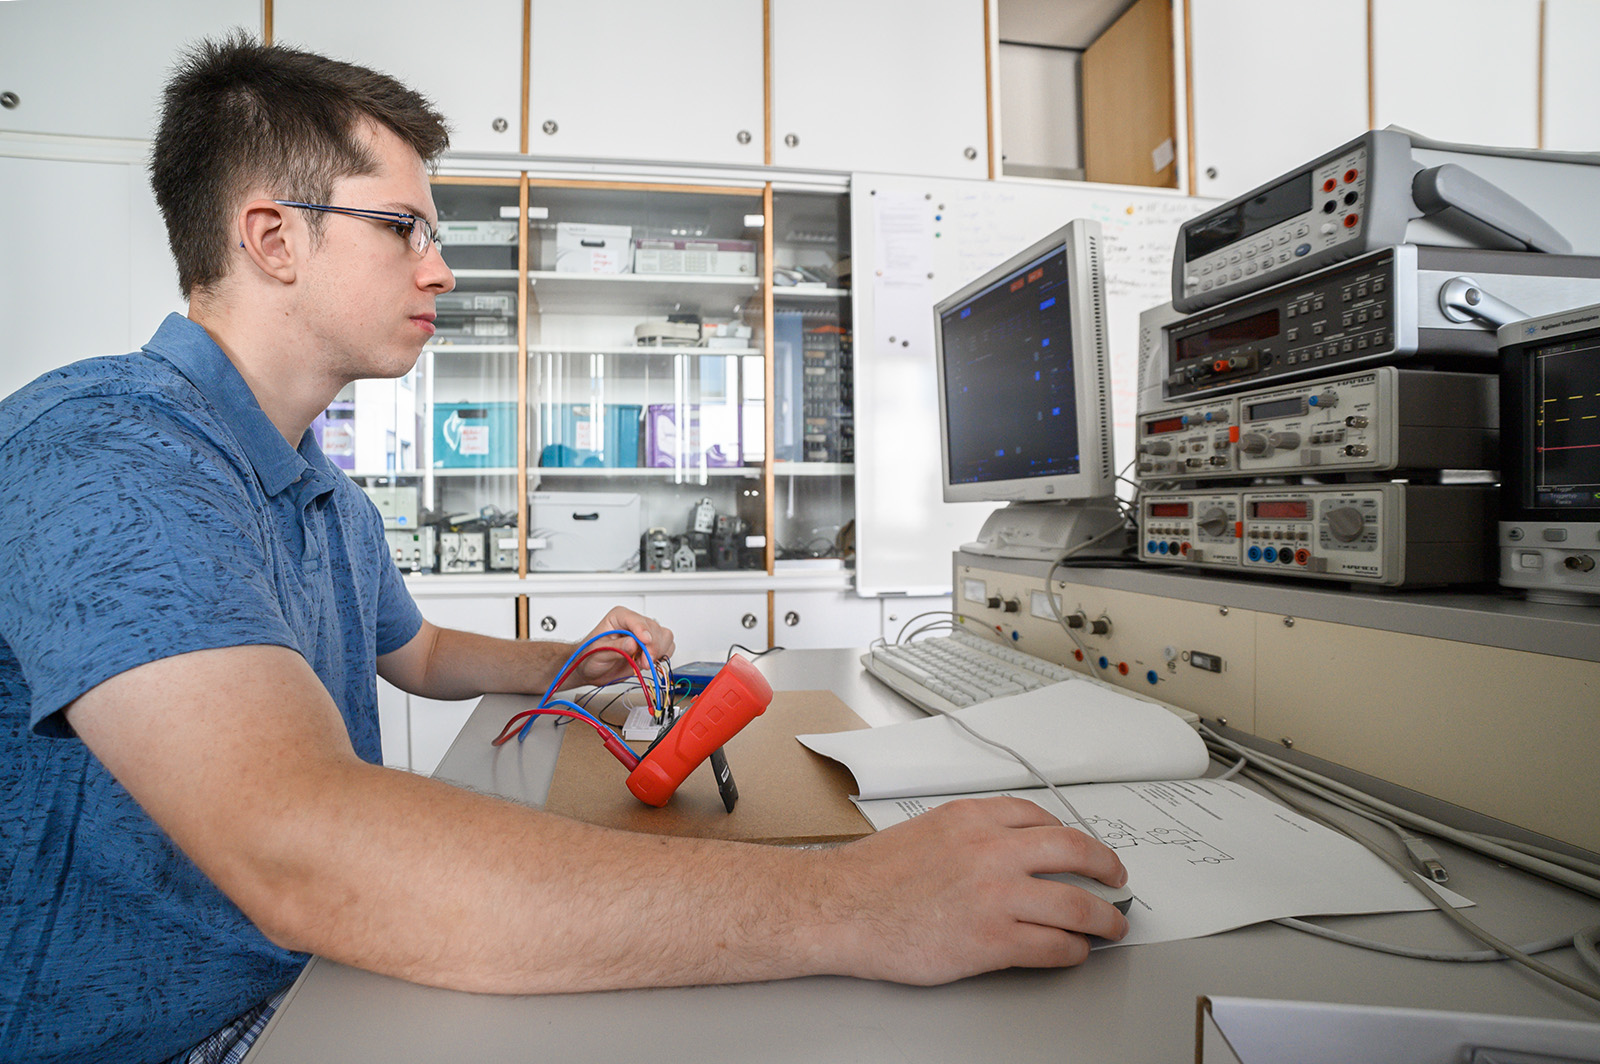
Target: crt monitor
1024,399
1550,456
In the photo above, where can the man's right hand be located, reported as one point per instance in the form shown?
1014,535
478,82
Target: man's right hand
954,892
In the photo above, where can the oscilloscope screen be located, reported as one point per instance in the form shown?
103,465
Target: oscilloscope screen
1566,425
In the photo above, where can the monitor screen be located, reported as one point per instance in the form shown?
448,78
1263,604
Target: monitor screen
1010,410
1025,414
1562,464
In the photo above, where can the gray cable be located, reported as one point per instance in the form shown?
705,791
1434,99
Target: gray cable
1573,983
1472,957
925,613
1025,763
1587,943
1417,849
1577,864
1235,770
1294,774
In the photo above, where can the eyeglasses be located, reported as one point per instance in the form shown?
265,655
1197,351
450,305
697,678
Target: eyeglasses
416,231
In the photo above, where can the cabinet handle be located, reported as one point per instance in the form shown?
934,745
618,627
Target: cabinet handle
1211,173
547,624
791,140
971,153
748,620
500,125
791,618
9,100
550,126
743,137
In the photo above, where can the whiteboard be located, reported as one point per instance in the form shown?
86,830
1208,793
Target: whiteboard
915,240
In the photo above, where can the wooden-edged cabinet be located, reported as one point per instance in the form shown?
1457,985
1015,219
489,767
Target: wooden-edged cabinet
466,58
86,68
646,81
1244,134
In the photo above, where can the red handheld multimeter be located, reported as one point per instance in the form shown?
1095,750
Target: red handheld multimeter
736,695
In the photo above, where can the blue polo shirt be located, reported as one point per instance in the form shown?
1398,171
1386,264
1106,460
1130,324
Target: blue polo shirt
149,508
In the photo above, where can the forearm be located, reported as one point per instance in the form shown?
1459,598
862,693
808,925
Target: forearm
373,876
453,664
447,664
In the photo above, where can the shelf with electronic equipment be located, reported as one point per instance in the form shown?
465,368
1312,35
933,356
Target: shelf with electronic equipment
628,377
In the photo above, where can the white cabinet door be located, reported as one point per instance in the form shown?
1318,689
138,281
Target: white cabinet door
96,69
647,81
569,618
1571,75
89,273
826,620
1250,127
904,617
1458,70
466,58
434,724
880,85
706,624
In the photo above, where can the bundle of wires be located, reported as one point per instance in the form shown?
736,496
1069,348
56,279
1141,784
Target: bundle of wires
549,705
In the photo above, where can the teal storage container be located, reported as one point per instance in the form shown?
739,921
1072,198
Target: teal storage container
474,435
575,435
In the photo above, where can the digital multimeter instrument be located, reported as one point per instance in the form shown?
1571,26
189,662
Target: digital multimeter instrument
734,697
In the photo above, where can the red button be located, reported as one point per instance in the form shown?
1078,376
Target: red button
1350,220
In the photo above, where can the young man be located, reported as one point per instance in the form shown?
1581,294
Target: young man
191,792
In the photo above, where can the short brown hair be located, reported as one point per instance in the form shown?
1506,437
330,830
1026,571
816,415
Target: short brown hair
238,115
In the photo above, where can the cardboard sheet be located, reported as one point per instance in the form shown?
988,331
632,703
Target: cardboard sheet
787,794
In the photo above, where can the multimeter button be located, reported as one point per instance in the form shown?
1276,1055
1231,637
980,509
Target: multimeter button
1303,249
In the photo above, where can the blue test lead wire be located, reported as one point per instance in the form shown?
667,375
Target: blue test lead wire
585,714
650,661
575,655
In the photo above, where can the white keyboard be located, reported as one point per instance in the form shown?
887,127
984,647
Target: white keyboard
959,670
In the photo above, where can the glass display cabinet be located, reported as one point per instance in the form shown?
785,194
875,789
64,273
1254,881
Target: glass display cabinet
628,377
814,427
437,448
646,379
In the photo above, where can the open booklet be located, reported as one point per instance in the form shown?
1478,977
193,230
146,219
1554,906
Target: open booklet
1203,856
1076,731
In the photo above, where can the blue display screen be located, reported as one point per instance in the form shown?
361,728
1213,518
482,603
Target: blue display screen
1010,403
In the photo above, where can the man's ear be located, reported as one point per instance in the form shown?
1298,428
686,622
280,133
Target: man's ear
274,242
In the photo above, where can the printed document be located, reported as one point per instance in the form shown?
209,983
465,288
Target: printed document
1205,856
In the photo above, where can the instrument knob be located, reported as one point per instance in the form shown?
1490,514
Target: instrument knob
1156,447
1345,523
1214,521
1254,443
1284,441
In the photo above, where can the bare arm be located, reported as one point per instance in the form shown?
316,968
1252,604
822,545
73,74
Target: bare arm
449,664
242,758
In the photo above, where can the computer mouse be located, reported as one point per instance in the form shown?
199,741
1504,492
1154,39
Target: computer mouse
1121,897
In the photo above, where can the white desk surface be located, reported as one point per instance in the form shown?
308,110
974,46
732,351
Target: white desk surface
1126,1005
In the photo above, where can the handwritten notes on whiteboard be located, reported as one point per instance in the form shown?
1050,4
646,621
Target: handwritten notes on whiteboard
916,241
